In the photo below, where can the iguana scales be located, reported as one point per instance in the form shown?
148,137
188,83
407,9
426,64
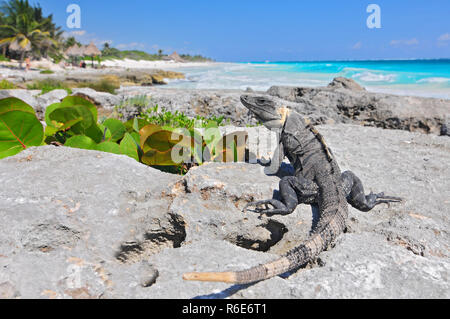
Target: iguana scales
317,180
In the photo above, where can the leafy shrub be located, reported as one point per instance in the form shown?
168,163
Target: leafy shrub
178,119
46,72
163,117
6,85
115,54
48,85
108,84
3,58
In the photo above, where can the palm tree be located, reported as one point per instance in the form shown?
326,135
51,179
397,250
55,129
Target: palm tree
47,25
2,33
22,32
26,37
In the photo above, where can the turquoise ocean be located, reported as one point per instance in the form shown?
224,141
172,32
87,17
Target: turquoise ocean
429,78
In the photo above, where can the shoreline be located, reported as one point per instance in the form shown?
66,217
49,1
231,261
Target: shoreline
219,76
143,64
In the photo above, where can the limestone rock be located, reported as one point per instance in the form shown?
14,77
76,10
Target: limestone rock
101,99
345,83
86,224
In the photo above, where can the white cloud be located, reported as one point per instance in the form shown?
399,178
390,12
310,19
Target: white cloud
357,45
77,33
131,46
85,38
444,39
409,42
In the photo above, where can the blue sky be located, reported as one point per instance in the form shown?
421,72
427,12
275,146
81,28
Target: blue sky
259,30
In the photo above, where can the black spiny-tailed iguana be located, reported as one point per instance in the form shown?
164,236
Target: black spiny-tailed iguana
317,180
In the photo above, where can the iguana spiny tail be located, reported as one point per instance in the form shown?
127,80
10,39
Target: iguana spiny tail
318,165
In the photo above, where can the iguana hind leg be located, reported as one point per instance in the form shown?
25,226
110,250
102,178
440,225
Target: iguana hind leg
356,197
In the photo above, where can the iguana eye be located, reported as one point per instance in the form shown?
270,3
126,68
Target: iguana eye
261,101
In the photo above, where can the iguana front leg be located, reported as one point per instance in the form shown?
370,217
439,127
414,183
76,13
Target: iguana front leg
273,166
293,191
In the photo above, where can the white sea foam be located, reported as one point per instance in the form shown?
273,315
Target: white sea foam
375,77
434,80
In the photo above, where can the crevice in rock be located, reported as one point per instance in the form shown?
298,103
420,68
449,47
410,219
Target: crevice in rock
276,229
410,244
170,236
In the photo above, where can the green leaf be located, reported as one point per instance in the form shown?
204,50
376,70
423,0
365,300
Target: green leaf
106,133
77,118
157,144
95,133
81,141
116,128
109,147
48,111
50,130
19,127
135,125
136,137
76,100
129,147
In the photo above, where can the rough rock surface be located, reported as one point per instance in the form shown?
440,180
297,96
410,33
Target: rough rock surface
101,99
343,101
345,83
86,224
445,129
409,113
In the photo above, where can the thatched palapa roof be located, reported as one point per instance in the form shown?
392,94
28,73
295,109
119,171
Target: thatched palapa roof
74,50
92,50
175,57
15,46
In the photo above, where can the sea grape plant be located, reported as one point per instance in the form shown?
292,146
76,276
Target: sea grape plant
74,123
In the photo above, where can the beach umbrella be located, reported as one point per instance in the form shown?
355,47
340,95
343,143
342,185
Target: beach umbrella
74,51
92,51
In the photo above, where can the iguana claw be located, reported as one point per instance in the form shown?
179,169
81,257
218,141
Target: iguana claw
256,204
382,199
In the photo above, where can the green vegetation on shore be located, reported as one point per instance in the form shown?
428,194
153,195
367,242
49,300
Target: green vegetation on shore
154,114
109,53
6,85
195,58
48,85
105,84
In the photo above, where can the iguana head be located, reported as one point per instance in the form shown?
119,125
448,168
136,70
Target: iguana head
266,110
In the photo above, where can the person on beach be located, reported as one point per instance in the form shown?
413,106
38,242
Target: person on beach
27,64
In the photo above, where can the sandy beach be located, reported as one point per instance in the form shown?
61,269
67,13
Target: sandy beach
141,64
